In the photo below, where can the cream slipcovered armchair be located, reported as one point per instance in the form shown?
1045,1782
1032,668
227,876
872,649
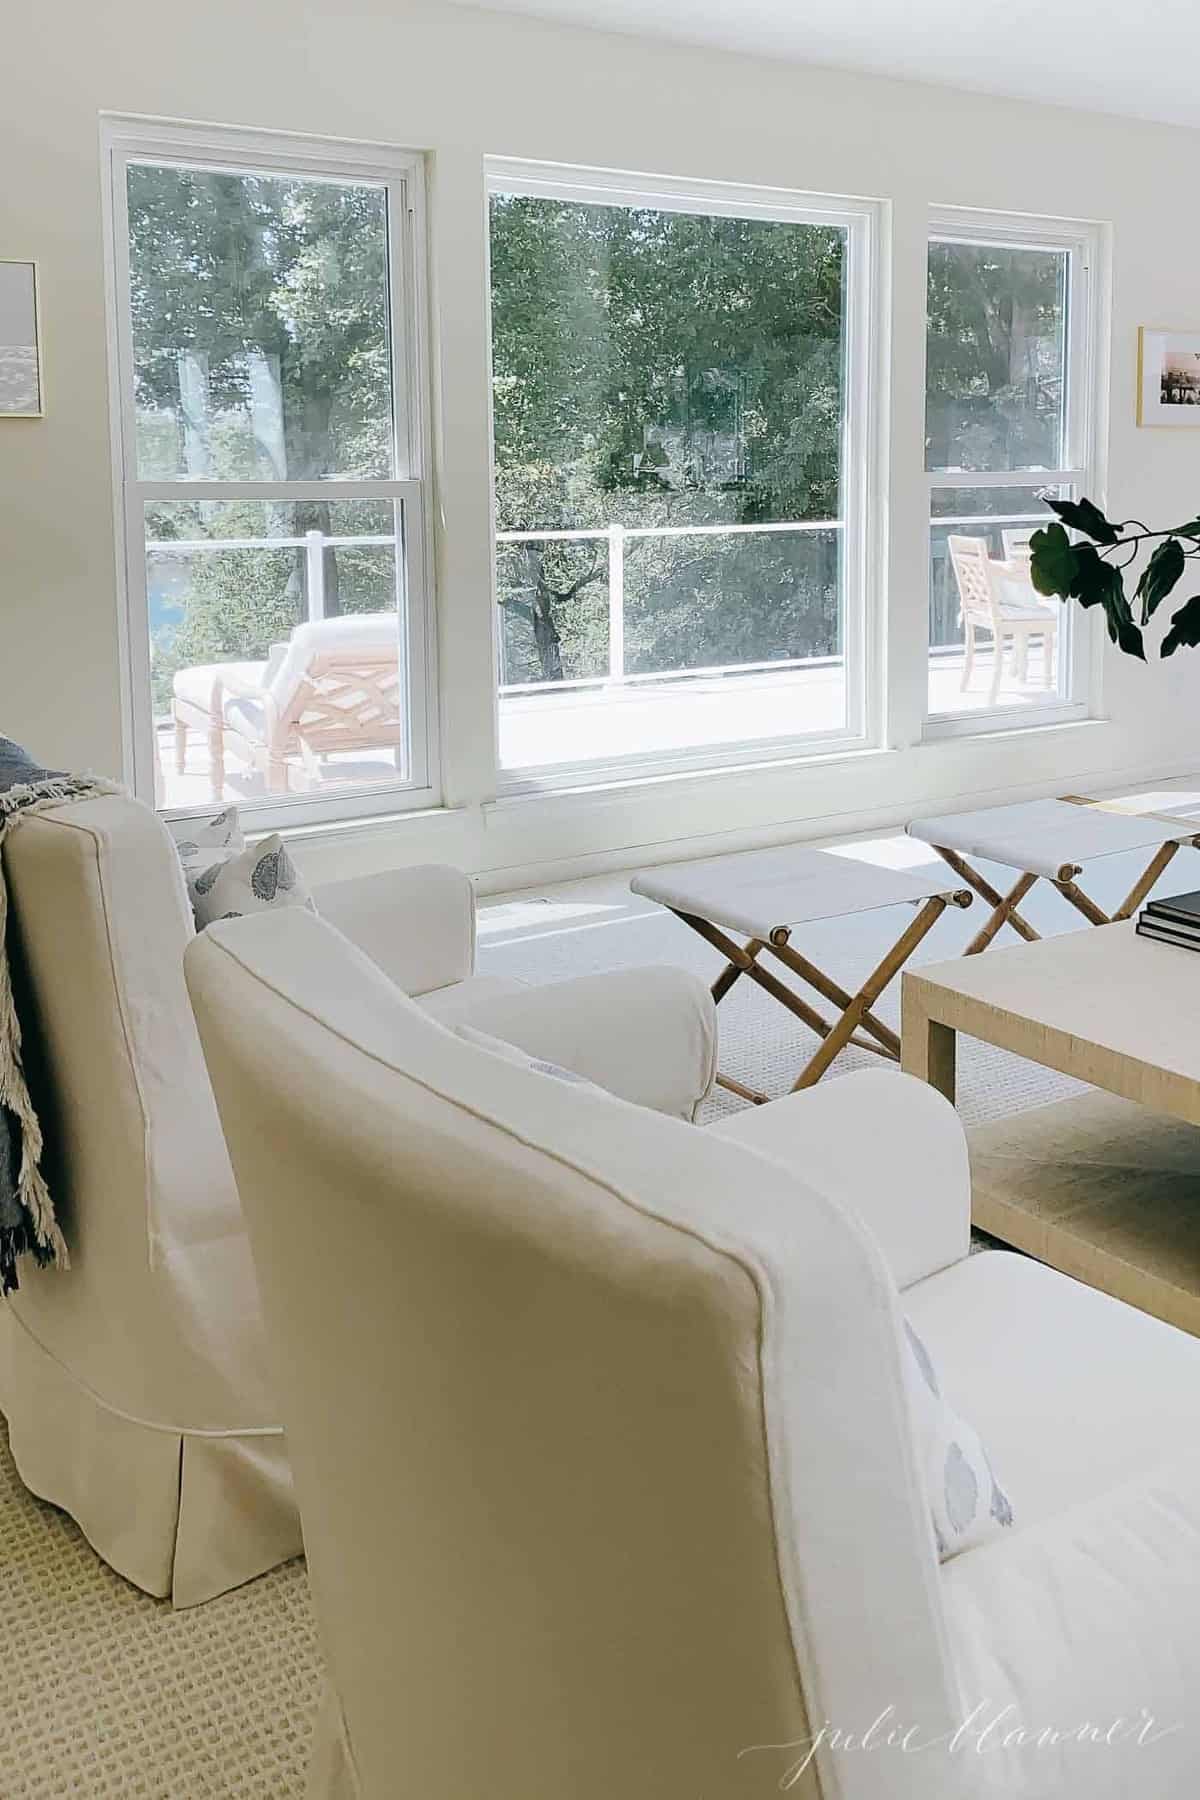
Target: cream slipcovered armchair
134,1384
601,1441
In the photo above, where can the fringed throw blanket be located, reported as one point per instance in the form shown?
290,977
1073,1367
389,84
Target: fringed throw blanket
27,1222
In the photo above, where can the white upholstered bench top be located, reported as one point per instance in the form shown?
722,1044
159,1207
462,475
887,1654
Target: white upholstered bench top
1040,837
760,891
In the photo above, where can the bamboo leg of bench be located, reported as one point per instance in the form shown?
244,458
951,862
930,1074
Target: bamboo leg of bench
742,962
1145,882
1006,904
829,989
732,971
870,991
1005,913
754,1095
1070,890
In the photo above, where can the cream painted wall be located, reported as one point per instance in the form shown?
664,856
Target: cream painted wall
461,84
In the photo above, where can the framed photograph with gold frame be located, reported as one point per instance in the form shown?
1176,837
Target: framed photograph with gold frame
1168,377
22,389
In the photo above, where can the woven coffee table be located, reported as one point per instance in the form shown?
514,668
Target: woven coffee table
1098,1188
764,896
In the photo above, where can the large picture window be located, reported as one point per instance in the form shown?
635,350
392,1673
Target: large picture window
267,313
679,398
1007,422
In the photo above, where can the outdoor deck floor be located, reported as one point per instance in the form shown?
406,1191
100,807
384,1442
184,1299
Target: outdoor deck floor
550,730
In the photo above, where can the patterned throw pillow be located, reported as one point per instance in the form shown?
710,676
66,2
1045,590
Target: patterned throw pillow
256,879
966,1503
201,842
536,1065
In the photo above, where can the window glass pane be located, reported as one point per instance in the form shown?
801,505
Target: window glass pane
275,647
980,594
996,357
656,374
260,326
678,615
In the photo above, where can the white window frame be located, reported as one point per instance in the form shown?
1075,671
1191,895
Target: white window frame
861,483
132,140
1079,473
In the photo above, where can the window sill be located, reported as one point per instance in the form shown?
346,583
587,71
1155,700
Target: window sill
361,830
992,727
610,782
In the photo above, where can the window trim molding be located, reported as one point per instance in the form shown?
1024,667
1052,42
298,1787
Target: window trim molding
1085,241
130,138
864,437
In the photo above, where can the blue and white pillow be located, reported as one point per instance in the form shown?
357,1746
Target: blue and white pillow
967,1505
257,879
201,842
226,878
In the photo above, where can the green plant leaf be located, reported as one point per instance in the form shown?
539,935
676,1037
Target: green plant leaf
1190,530
1095,582
1160,576
1052,566
1124,632
1081,515
1185,628
1098,583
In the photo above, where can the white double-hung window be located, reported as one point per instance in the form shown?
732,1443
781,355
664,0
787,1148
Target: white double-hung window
1010,359
268,325
682,411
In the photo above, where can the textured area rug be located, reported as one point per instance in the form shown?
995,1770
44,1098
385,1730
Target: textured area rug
110,1693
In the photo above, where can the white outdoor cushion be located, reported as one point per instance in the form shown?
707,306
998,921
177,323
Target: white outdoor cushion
758,891
366,634
196,684
1043,836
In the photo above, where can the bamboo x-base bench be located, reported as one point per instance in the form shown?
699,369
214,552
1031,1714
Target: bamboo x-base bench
1051,840
763,896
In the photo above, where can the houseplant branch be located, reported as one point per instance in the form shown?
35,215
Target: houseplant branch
1092,572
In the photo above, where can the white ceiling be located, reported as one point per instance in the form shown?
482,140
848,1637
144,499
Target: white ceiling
1101,55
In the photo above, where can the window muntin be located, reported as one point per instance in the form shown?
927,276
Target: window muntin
677,421
269,347
1007,422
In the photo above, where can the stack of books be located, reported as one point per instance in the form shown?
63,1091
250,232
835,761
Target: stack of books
1174,920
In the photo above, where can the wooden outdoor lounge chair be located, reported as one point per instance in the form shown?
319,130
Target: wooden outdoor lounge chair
333,687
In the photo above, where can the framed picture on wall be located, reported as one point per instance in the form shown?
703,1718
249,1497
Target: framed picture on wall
1168,377
21,394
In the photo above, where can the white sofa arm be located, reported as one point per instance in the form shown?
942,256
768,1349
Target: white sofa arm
886,1147
417,925
647,1035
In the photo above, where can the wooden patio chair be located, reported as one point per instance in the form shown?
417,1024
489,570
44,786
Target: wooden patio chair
984,606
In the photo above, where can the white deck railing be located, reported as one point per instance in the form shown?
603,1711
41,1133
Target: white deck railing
616,537
313,543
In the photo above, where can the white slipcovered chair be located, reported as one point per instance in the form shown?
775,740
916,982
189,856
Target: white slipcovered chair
334,687
601,1434
134,1384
